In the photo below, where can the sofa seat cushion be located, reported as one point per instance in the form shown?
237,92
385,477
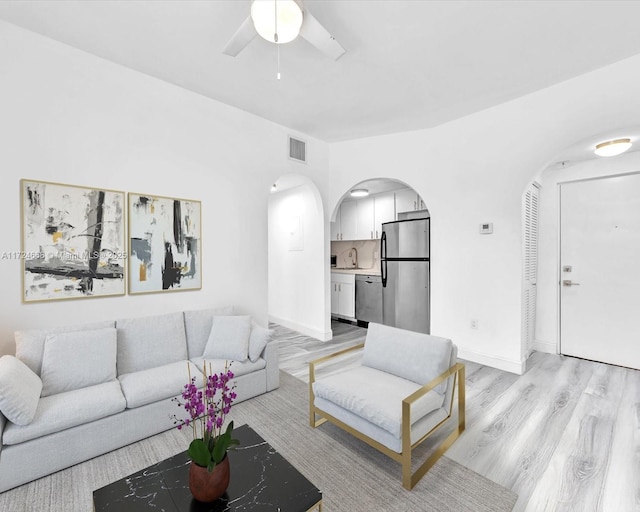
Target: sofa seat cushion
68,409
375,396
238,368
147,386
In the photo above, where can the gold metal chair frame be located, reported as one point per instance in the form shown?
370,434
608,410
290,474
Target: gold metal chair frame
409,480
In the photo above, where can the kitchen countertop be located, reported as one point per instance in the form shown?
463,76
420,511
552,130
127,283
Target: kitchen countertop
362,271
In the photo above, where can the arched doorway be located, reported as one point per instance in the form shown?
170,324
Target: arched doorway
297,257
374,278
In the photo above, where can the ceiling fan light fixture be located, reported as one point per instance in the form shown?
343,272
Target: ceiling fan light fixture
289,13
359,192
612,147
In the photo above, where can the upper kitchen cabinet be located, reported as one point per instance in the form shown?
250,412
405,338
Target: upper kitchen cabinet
364,225
345,226
408,200
349,220
362,219
384,211
335,227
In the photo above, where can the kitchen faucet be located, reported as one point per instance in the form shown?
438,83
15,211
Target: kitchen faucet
353,254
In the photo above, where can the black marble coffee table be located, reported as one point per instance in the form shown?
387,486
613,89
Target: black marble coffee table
261,480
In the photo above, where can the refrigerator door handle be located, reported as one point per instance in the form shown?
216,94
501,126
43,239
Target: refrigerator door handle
383,272
383,258
383,245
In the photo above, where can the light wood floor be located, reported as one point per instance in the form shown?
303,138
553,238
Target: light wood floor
565,436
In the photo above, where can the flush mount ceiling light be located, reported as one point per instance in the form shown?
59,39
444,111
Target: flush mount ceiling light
277,21
612,147
359,192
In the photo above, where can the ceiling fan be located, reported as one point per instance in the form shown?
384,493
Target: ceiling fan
281,21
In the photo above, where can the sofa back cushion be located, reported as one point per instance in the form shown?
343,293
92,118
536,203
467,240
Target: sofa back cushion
411,355
30,343
74,360
151,341
198,327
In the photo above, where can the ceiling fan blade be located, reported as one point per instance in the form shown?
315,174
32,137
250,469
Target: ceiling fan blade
243,36
318,36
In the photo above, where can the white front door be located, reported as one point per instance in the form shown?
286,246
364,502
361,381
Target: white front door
600,270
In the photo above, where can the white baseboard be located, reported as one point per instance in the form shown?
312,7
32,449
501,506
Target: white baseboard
508,365
544,346
303,329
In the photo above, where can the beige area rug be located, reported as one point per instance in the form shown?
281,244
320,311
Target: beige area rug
352,476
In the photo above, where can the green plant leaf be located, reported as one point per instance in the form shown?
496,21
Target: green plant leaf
220,449
199,453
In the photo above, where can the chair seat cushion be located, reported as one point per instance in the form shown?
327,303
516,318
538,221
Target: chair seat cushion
375,396
147,386
68,409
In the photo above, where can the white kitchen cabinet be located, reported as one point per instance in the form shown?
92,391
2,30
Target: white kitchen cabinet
384,211
408,200
343,295
365,224
336,230
348,220
335,297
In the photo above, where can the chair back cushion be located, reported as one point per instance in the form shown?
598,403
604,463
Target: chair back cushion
411,355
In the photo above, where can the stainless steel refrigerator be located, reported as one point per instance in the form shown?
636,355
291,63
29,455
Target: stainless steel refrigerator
404,261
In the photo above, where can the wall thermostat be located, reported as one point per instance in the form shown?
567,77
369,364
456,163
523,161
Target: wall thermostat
486,228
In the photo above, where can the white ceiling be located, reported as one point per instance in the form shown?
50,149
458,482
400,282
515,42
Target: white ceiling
409,64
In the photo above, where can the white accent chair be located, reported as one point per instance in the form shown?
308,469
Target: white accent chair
400,395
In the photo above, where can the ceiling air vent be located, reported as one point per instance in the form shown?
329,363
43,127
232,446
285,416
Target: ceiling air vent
297,150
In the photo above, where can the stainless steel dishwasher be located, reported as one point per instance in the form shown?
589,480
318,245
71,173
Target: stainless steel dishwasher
368,298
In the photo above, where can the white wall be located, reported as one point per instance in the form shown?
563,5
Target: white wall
474,170
69,117
547,327
298,264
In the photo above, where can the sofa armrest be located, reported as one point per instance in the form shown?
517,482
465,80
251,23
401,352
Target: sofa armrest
270,355
3,422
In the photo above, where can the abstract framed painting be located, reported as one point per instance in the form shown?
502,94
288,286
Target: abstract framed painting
164,244
73,241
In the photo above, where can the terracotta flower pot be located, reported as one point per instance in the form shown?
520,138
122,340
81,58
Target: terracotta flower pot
208,487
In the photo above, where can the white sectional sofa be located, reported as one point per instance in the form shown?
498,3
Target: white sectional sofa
73,393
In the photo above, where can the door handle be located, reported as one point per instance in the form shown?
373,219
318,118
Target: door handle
568,282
